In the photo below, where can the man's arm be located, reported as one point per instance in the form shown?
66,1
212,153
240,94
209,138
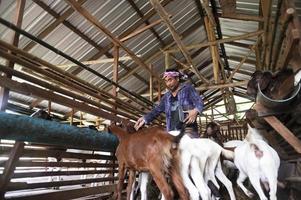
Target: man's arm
155,112
149,117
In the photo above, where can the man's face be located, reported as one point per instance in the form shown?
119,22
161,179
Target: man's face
172,83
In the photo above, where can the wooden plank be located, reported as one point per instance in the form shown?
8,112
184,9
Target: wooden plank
213,49
242,17
61,164
68,194
39,152
284,132
61,173
23,185
115,74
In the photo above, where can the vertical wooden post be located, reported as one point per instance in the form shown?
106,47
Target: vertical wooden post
167,60
213,49
159,90
10,166
15,41
115,71
266,11
151,88
114,92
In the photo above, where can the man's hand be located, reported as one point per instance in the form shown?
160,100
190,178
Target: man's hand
139,123
191,116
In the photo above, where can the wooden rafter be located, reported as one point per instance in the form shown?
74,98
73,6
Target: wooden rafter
141,15
136,32
53,25
132,28
230,39
158,53
62,19
68,79
99,26
219,86
164,16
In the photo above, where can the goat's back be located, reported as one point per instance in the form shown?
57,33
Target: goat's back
148,144
246,159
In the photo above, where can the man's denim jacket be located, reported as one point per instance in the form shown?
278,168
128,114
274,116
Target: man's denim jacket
188,99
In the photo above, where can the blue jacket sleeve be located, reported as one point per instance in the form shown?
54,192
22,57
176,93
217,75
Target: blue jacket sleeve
149,117
196,99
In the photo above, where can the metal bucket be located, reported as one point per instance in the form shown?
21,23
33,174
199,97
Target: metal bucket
274,103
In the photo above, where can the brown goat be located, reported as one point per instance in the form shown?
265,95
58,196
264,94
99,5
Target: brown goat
150,150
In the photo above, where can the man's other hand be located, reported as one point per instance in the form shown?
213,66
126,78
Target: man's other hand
191,116
139,123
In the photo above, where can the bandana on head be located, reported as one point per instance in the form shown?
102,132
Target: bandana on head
171,73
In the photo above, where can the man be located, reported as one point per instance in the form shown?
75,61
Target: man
181,104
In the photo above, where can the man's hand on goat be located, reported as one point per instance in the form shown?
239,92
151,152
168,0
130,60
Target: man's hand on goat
139,123
191,116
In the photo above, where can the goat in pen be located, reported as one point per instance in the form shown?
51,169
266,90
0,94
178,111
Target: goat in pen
203,157
258,161
149,149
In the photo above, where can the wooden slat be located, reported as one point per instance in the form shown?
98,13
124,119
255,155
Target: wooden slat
62,164
61,173
23,185
68,194
56,154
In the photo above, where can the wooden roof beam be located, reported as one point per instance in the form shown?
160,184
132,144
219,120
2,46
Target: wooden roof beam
138,11
219,86
225,40
158,53
164,16
136,32
53,25
62,19
116,41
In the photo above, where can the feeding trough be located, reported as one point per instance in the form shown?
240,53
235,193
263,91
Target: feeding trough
278,103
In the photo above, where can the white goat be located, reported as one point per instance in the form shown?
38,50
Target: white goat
258,161
203,155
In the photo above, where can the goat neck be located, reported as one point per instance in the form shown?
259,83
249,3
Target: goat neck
119,132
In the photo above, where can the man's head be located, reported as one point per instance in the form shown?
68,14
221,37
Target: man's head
171,78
